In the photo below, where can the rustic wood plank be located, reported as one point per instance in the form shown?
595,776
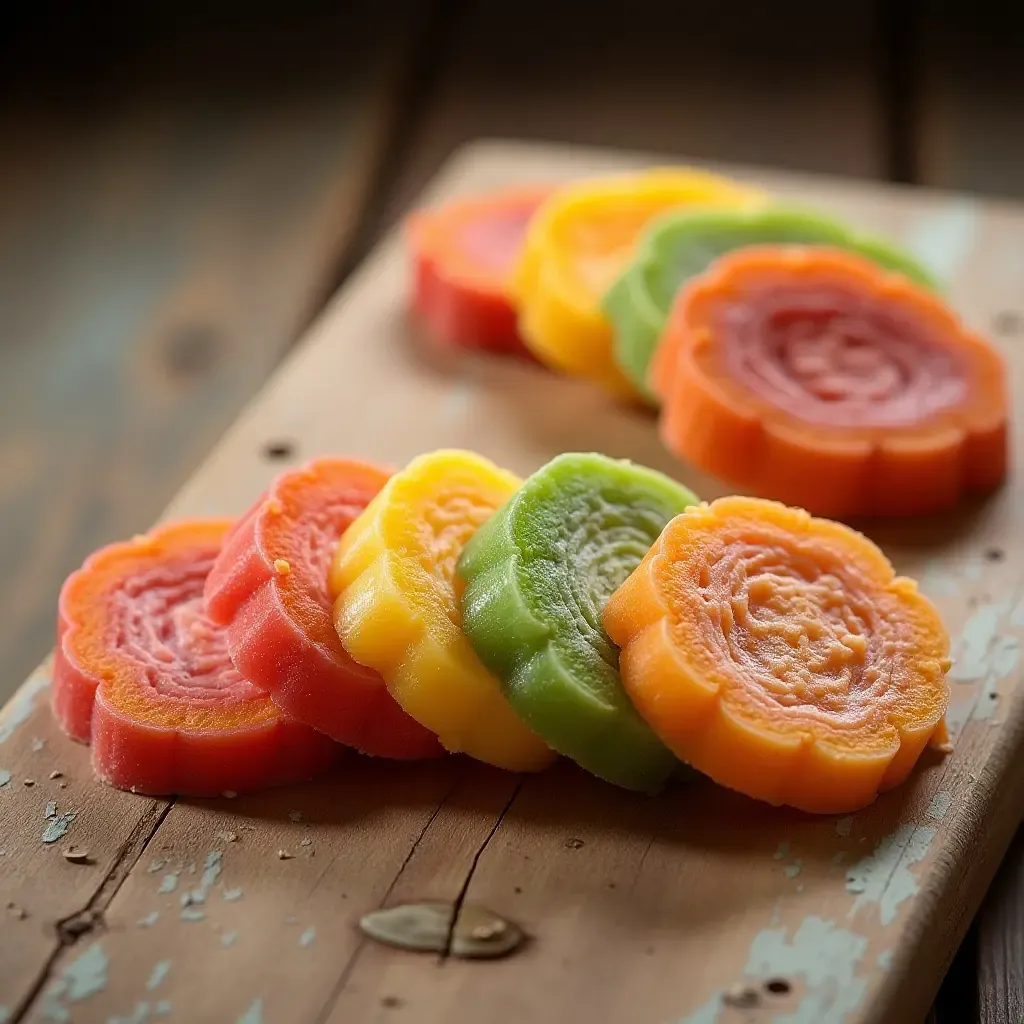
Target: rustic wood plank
970,97
791,84
710,891
168,231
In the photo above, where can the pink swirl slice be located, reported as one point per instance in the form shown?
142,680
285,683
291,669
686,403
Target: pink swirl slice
144,675
817,378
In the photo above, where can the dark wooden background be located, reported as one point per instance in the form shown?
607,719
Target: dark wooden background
181,190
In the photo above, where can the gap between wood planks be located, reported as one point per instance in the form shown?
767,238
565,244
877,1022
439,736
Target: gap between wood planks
90,918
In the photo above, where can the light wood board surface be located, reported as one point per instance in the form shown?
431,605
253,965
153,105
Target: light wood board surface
640,910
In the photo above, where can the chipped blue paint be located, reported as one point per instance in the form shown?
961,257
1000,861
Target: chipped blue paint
5,778
51,809
160,971
169,883
973,648
307,937
844,825
782,851
163,1007
21,705
254,1015
940,805
884,877
944,239
5,1014
149,920
87,974
228,939
706,1013
138,1016
57,828
792,870
826,956
192,914
155,866
37,744
232,894
884,960
1004,659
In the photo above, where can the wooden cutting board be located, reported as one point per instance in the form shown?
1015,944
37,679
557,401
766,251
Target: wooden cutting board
695,907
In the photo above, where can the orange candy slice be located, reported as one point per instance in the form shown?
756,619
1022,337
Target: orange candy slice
144,675
577,245
463,255
781,655
815,377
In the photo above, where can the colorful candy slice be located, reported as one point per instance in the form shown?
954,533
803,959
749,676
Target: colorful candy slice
537,577
144,675
781,656
268,588
814,377
679,246
463,255
576,246
398,607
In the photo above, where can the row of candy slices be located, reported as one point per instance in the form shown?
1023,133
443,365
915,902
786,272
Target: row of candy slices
594,610
796,359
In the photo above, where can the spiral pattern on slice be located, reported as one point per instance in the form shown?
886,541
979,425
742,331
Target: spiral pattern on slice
780,655
538,575
398,611
144,675
813,377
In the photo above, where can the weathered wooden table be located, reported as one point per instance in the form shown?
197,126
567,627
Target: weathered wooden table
165,243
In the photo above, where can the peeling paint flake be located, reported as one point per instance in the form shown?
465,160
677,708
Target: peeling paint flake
149,920
939,807
50,810
254,1015
232,894
794,869
782,851
884,876
163,1007
826,956
844,826
307,937
169,883
5,778
57,828
228,939
158,974
192,914
82,977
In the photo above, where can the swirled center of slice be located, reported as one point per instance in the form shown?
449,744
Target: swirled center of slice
830,356
808,636
156,620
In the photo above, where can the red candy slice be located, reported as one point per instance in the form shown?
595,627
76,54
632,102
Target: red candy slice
463,255
269,588
143,674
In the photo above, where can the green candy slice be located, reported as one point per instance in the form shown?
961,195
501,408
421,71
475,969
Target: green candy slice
678,246
538,574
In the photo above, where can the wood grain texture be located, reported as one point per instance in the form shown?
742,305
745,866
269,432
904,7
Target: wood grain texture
791,84
639,909
173,216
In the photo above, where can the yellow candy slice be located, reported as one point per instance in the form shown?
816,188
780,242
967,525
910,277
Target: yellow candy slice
398,605
577,245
